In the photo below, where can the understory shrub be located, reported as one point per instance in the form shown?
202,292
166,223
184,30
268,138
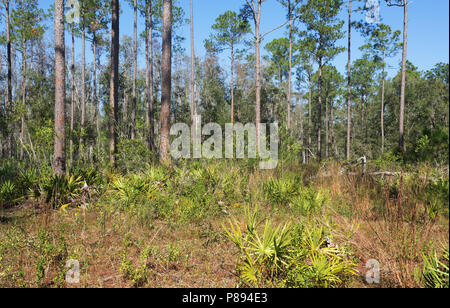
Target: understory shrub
288,255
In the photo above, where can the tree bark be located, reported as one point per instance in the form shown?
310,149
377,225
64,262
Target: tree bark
401,140
258,73
72,97
149,79
310,130
166,80
332,135
97,106
382,103
327,125
319,116
59,155
232,84
83,84
8,98
114,82
255,6
24,94
133,99
349,71
192,66
290,68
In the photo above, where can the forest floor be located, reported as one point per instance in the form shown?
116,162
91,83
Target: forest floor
182,245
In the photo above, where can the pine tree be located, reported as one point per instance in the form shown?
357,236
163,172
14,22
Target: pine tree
166,80
229,31
59,154
324,29
114,82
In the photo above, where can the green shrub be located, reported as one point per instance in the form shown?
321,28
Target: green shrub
309,201
61,190
292,256
435,273
8,193
90,175
281,191
388,161
28,180
262,255
132,156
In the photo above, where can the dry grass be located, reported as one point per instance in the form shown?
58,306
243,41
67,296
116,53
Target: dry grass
203,257
395,238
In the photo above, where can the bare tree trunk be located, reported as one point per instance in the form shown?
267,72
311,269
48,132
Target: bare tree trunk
166,80
327,125
192,66
401,141
310,130
114,82
319,116
97,105
349,71
83,86
290,69
332,128
258,73
147,83
133,102
24,94
8,98
59,155
72,98
232,84
149,79
382,104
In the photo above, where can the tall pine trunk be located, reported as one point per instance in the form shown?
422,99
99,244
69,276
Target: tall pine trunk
97,104
232,84
401,140
83,86
310,128
114,82
72,98
349,72
258,73
382,104
133,99
24,94
332,134
59,155
149,79
290,68
166,80
8,98
192,106
319,115
327,126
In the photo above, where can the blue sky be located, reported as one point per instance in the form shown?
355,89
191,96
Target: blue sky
428,41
